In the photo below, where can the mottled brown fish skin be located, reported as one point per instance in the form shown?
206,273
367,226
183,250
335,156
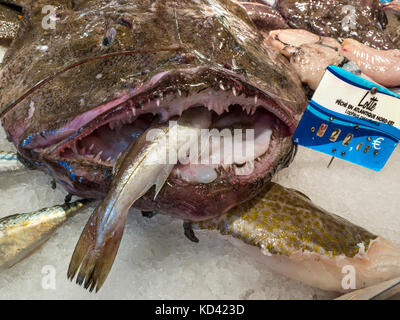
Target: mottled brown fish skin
283,221
327,18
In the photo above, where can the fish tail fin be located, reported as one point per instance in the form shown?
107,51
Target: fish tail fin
162,178
96,249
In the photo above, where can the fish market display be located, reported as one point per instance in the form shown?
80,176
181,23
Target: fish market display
80,98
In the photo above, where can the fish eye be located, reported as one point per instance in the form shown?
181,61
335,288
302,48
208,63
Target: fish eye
124,22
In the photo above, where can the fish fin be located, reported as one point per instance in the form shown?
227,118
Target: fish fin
189,233
97,248
162,178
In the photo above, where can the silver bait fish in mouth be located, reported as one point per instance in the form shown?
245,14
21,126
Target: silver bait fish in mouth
80,101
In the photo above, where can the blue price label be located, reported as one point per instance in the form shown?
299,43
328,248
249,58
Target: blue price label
352,119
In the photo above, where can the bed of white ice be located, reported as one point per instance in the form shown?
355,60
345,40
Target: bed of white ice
155,260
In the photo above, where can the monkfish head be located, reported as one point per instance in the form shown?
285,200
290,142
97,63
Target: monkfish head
84,79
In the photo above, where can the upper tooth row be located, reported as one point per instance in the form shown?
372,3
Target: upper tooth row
158,103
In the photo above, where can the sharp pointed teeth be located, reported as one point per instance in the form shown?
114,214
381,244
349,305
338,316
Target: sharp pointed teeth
98,155
234,65
91,147
74,149
180,92
134,111
158,102
256,99
222,86
234,91
108,159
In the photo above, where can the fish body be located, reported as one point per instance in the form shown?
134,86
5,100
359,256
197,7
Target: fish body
21,234
383,66
308,53
306,243
265,17
393,5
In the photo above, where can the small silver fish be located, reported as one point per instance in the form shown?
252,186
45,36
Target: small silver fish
136,172
381,291
21,234
9,162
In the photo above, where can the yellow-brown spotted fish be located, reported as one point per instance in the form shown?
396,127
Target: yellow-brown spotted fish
306,243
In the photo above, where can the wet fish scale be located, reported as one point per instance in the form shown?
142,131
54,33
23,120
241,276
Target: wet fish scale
283,221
